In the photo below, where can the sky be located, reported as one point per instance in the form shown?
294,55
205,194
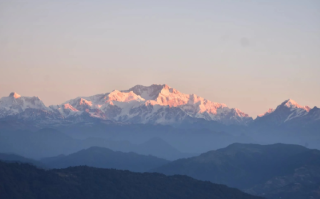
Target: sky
248,54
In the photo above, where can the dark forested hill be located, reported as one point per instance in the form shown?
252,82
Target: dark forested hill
106,158
278,170
21,181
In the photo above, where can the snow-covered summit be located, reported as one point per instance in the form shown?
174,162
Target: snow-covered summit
148,92
191,104
15,104
294,105
166,96
285,112
152,104
14,100
14,95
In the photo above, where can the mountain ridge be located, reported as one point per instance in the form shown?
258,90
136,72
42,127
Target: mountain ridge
158,104
155,104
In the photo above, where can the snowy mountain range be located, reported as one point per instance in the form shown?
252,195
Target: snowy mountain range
155,104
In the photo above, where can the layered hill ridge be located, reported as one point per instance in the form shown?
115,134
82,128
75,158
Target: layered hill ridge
273,171
105,158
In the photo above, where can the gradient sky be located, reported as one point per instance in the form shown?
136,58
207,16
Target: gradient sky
248,54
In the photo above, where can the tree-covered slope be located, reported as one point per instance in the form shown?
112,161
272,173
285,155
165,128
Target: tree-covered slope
22,181
256,169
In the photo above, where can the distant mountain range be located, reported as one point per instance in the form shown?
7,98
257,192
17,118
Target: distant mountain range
98,157
155,104
273,171
6,157
51,142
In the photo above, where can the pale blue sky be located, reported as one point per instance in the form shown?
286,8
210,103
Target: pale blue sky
249,54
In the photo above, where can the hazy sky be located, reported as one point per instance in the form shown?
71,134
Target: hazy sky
248,54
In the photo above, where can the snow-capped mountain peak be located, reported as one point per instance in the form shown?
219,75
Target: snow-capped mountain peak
16,101
191,104
294,105
14,95
288,110
15,104
148,92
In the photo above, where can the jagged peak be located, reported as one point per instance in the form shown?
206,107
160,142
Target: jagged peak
115,91
290,103
69,106
315,108
266,113
85,102
123,96
151,86
14,95
165,95
17,96
154,87
149,92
